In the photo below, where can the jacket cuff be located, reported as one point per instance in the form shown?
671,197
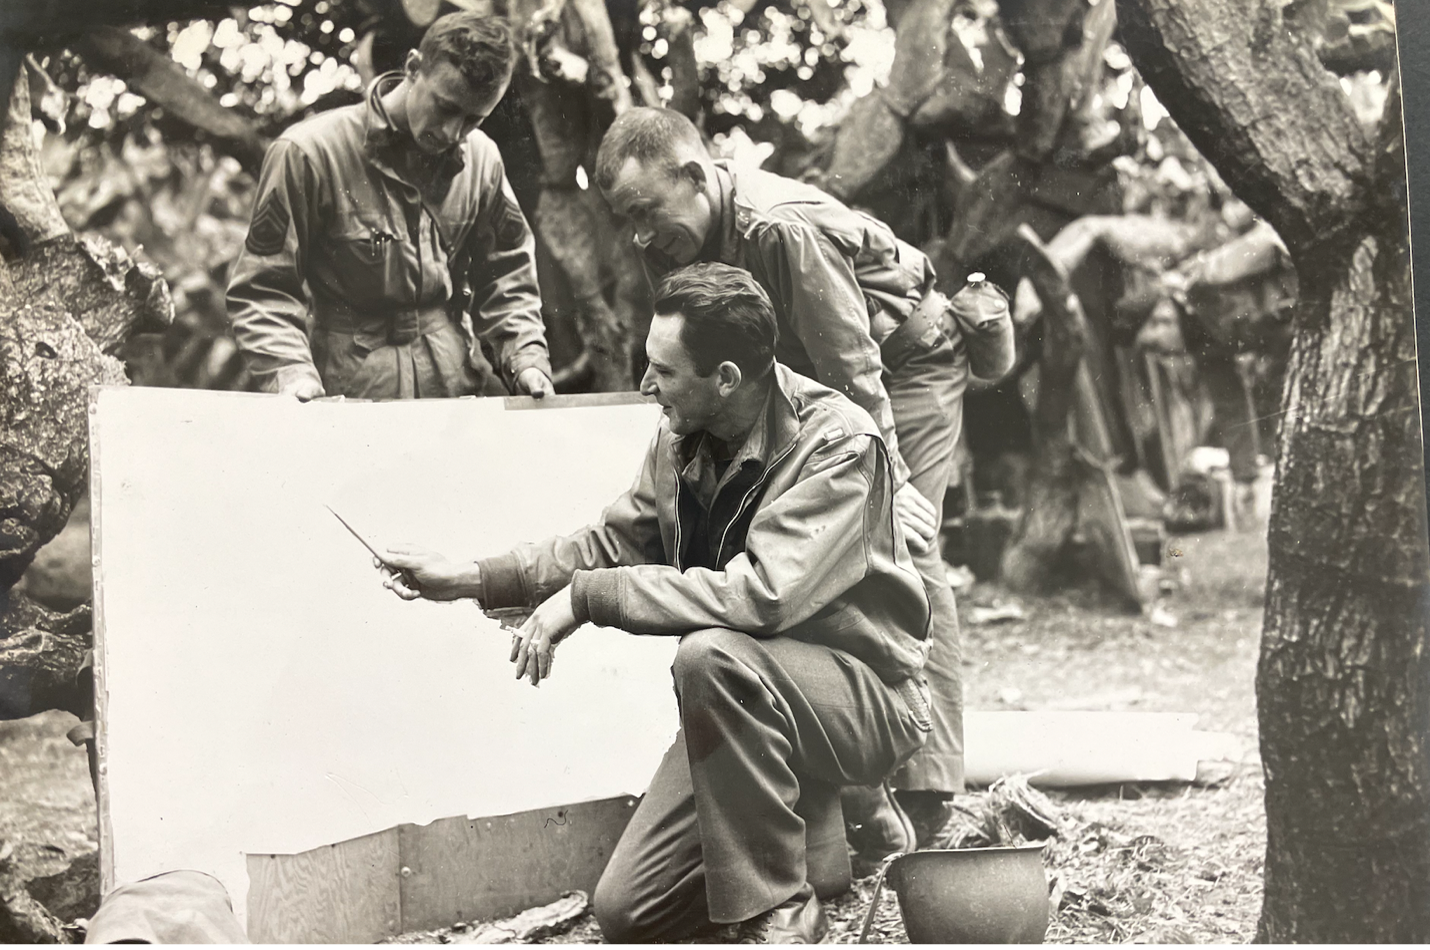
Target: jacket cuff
285,376
525,358
595,597
503,582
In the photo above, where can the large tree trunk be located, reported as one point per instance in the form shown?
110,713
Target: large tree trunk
1343,682
64,305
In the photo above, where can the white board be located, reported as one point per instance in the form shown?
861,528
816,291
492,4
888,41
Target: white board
261,692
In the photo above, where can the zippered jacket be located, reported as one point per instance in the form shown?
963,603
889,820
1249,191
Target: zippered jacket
369,256
811,548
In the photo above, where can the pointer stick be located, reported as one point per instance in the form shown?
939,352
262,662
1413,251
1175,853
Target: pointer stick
406,577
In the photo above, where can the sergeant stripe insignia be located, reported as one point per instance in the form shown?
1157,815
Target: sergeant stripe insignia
510,226
268,232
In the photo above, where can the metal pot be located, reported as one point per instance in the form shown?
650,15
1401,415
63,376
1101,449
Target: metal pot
970,895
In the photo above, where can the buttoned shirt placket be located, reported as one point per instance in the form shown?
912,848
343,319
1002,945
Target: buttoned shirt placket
382,137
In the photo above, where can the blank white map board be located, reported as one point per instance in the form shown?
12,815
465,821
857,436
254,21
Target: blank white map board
261,691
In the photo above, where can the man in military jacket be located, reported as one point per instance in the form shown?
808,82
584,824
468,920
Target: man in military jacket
858,311
760,531
385,233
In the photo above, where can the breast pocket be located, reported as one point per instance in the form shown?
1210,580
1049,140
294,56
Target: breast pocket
367,262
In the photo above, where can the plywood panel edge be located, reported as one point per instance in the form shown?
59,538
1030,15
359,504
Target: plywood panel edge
100,666
576,401
346,892
468,868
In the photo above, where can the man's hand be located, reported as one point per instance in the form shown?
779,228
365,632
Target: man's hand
534,645
916,513
304,390
534,382
412,572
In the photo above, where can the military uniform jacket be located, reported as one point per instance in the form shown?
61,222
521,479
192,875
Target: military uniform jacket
807,547
839,279
377,260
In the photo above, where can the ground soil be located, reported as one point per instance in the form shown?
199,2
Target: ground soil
1134,863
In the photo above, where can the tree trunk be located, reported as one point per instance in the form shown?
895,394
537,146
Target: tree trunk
873,132
62,304
1343,681
1050,508
1343,703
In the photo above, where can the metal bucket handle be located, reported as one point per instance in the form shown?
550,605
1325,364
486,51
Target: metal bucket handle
878,892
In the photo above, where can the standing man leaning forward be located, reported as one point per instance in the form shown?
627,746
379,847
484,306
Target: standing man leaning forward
760,531
394,219
857,310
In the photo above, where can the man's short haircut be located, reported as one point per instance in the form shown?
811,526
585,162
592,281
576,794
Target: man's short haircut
479,45
728,316
650,136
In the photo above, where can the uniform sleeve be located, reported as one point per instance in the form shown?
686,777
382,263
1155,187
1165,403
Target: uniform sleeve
627,533
826,308
506,300
267,305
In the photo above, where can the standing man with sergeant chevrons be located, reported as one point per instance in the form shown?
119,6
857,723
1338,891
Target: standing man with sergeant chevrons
386,226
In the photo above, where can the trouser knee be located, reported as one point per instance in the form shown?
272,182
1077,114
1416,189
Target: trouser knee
615,910
705,654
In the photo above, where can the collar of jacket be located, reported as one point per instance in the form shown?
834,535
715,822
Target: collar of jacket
775,431
729,227
381,135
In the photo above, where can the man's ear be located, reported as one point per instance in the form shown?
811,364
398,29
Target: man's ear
728,378
695,172
412,64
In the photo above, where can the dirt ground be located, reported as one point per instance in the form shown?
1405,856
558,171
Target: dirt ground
1144,864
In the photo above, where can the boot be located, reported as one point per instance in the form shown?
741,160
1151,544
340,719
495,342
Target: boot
875,825
798,920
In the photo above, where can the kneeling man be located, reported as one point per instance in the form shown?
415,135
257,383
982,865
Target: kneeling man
761,530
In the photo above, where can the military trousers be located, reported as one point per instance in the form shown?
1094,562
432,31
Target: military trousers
926,394
717,838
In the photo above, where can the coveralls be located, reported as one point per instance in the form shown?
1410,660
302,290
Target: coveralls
364,257
857,310
802,620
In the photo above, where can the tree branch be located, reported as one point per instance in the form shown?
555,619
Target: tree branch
1360,51
24,189
1255,100
28,25
607,80
164,83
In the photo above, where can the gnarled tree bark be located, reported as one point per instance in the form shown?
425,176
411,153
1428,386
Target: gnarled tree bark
62,304
1343,680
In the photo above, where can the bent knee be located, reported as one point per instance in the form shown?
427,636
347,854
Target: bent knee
710,649
614,907
626,914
